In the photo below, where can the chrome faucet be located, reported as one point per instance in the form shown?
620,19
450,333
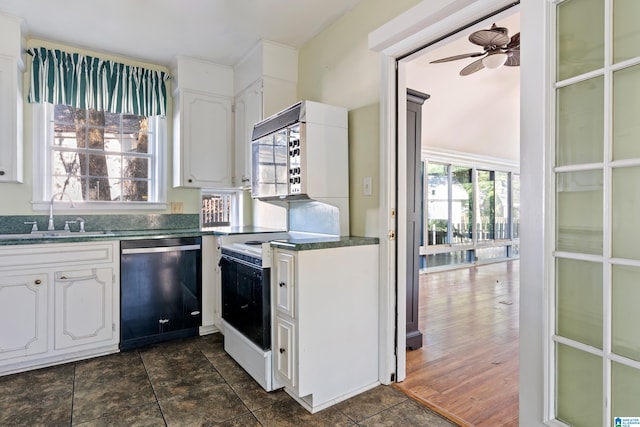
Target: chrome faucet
61,193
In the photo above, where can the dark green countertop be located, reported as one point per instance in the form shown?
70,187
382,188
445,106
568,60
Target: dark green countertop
299,242
311,243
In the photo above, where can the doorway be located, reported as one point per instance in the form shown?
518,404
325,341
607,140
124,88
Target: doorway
470,128
427,22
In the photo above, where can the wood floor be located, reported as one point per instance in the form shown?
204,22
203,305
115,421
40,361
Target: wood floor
467,368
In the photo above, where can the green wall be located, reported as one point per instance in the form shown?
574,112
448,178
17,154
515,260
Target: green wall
337,67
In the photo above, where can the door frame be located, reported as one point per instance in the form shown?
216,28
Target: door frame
425,23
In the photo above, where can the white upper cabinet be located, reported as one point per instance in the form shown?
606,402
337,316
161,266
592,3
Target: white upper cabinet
248,111
265,82
11,67
202,124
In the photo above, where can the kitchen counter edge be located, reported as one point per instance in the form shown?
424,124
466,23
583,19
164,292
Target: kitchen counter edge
294,244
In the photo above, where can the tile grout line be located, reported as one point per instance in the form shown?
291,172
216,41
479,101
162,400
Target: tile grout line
231,387
73,393
144,365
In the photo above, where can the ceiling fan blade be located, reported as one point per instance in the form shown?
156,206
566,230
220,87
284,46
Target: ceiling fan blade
489,38
456,57
513,58
515,42
476,65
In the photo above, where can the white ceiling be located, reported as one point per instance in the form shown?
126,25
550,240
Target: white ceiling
155,31
479,113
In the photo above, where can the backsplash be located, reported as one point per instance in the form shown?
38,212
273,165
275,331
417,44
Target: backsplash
15,223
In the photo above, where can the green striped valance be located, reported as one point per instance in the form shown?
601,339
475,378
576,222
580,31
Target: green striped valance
92,83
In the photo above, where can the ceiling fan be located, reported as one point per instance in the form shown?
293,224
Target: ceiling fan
499,50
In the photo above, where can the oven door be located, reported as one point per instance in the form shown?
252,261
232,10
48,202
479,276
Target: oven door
245,300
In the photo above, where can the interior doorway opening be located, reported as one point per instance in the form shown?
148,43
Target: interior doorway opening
471,122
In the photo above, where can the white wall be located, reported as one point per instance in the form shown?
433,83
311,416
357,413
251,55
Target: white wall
337,67
478,113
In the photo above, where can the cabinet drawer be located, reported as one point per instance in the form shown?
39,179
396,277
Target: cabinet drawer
285,352
40,256
285,283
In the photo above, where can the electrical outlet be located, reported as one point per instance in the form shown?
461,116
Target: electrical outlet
177,207
366,186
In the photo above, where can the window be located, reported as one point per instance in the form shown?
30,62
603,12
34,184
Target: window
99,129
472,214
219,208
98,157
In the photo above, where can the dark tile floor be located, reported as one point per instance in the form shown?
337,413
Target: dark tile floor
190,382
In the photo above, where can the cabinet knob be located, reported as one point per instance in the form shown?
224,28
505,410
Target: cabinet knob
1,173
63,277
281,350
190,180
38,281
282,284
163,321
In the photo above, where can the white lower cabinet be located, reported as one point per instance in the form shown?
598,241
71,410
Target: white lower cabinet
284,351
58,302
84,307
325,339
23,315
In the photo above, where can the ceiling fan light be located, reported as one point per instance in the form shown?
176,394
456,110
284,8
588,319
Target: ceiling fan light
494,60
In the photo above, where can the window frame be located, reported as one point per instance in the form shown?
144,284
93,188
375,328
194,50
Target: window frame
235,207
42,136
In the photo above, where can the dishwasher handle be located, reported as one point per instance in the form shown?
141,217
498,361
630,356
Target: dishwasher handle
160,249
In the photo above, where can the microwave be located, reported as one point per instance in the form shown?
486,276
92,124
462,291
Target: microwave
277,167
301,153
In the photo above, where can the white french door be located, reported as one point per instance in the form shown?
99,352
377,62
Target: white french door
595,336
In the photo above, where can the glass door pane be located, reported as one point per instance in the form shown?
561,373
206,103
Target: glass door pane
515,205
579,301
579,212
626,32
625,297
625,392
626,109
437,203
579,387
485,218
580,127
501,218
462,203
624,214
580,46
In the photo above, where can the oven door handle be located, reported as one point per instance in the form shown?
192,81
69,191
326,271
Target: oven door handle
225,260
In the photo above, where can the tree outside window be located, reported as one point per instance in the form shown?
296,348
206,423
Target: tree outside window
100,156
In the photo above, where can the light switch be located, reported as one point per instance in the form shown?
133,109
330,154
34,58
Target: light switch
366,186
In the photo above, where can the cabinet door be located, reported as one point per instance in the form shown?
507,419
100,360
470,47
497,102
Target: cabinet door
83,307
285,283
204,158
285,352
248,111
23,315
10,122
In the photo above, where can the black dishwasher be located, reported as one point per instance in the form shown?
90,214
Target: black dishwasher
160,290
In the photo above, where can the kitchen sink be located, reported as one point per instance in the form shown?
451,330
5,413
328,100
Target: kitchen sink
54,234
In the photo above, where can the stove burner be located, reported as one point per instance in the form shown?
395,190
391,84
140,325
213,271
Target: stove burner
253,242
